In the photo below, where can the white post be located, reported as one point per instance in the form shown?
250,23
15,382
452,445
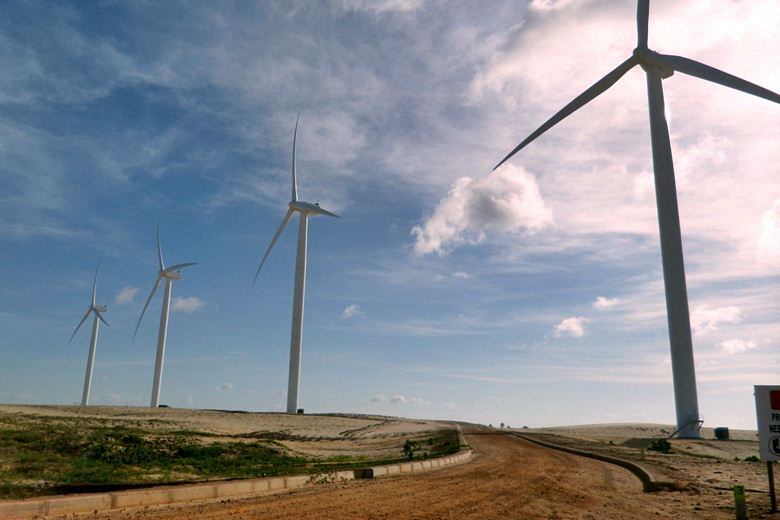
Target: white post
90,361
683,371
296,334
161,335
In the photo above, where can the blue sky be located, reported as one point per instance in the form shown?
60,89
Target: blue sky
530,295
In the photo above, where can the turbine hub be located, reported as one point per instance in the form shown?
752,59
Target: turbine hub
640,53
646,61
170,275
304,207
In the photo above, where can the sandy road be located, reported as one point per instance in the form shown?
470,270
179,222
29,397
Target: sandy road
507,478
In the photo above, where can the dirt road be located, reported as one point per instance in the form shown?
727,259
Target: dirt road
507,478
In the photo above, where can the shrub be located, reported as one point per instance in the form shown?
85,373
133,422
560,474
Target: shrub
660,445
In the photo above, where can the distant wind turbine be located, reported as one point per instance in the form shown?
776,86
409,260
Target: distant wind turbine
305,210
169,275
658,67
97,309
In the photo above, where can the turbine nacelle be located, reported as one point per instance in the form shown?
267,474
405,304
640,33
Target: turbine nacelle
657,67
170,275
97,309
306,209
310,209
165,273
666,64
647,58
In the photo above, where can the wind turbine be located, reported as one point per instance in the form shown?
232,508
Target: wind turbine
305,210
657,68
169,275
97,309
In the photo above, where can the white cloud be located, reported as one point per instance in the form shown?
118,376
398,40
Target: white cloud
769,240
735,346
398,399
573,326
550,5
402,399
126,295
350,311
706,319
383,6
226,386
462,275
604,303
187,305
603,183
508,200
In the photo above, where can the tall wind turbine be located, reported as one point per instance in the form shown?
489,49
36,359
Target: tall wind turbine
305,210
169,275
659,67
97,309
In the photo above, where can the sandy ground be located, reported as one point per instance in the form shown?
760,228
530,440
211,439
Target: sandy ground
316,435
507,478
706,467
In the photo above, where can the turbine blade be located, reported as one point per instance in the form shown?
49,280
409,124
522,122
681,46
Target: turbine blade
151,295
100,317
180,266
94,283
700,70
159,248
273,241
294,172
591,93
321,211
642,15
86,314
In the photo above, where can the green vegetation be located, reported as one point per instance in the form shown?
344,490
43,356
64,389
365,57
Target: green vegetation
44,458
660,445
41,456
444,444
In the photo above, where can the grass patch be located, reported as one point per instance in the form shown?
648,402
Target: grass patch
445,443
68,455
45,458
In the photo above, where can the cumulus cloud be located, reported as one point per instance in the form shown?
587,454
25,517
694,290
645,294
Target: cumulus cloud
462,275
187,305
126,295
573,326
350,311
706,319
603,303
226,386
507,200
398,399
735,346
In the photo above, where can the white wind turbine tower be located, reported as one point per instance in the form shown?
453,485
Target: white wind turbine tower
657,68
169,275
305,210
97,309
